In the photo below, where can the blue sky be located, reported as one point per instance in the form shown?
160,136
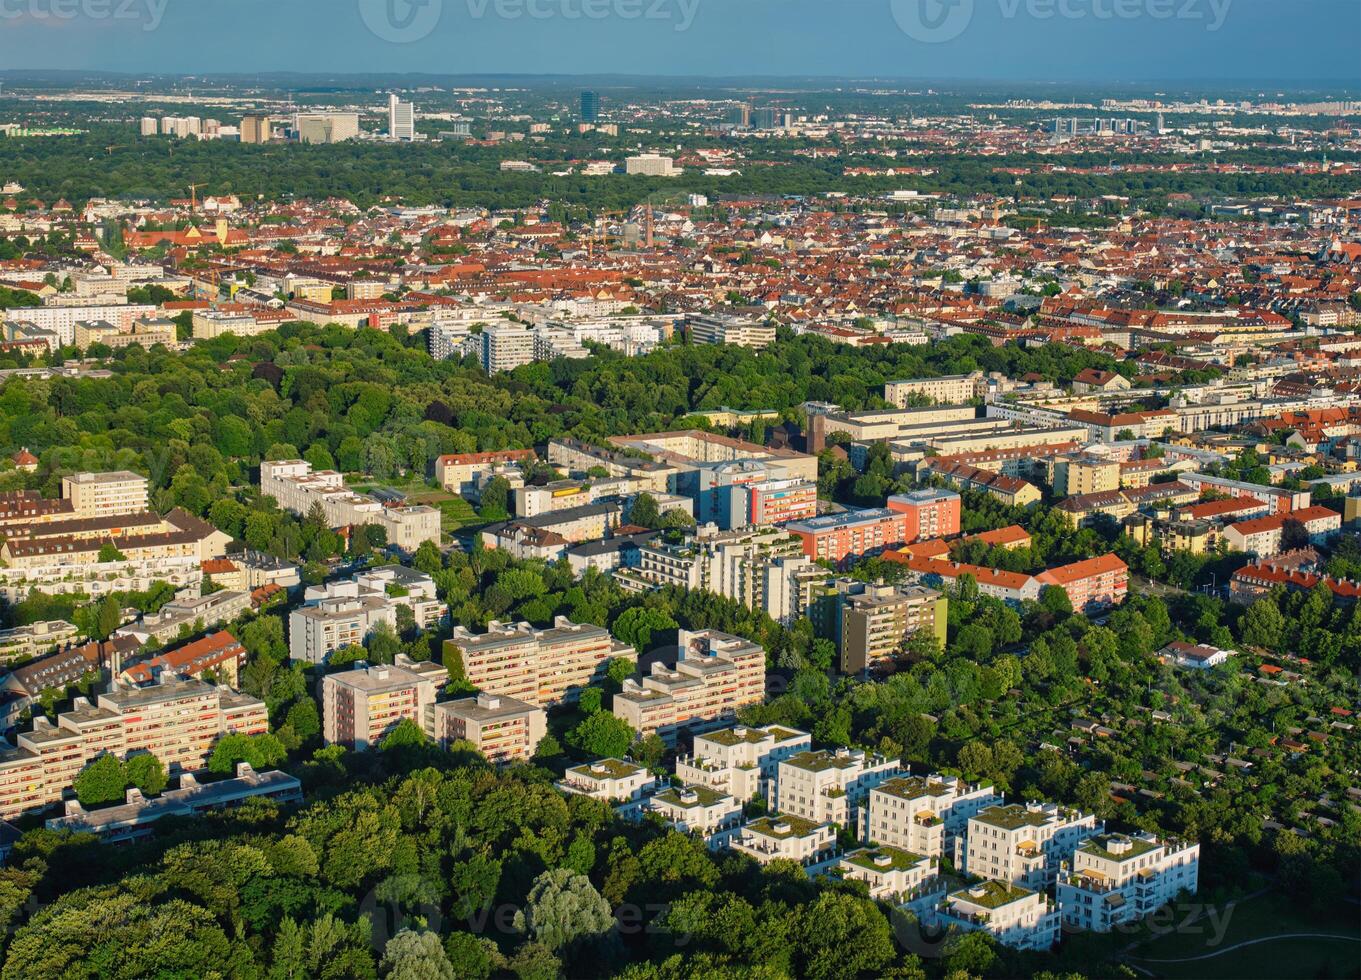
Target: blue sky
1252,41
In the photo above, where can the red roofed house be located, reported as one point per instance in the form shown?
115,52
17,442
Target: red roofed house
219,652
1091,585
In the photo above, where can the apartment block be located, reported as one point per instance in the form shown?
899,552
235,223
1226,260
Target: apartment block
828,787
787,837
360,707
1121,878
930,513
296,487
506,346
1265,537
1027,843
852,533
137,816
547,536
341,614
178,721
1279,499
561,495
105,494
538,666
925,814
616,781
876,622
892,874
458,473
504,729
740,761
715,675
1074,474
1014,916
1093,584
762,568
717,328
713,815
950,389
23,642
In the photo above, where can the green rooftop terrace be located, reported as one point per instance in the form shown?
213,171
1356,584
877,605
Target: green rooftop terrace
606,768
992,894
899,859
1100,846
795,826
688,796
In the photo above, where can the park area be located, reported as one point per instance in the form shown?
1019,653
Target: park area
1265,935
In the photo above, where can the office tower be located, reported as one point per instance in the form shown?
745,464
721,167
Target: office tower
590,106
255,129
325,127
740,116
401,119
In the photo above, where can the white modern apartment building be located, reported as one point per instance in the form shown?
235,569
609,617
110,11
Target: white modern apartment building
650,165
716,674
62,320
296,487
791,838
1119,878
891,873
619,782
762,568
1015,916
951,389
924,814
720,328
1025,844
828,787
538,666
698,810
105,494
741,761
506,346
399,585
342,617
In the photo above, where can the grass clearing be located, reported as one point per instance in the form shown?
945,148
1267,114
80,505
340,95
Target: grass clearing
1314,944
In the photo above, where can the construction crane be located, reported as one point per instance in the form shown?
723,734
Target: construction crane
600,229
193,196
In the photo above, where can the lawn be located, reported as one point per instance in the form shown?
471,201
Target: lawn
1258,918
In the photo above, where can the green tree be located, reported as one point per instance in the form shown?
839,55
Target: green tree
405,733
416,956
146,772
602,735
564,909
102,781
